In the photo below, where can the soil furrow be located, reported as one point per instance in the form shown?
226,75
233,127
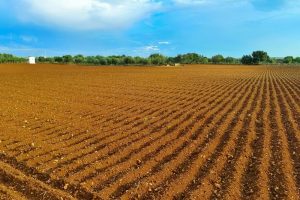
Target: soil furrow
167,159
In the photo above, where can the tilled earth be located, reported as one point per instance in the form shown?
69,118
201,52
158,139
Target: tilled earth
192,132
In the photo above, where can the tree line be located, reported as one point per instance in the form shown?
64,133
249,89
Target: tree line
154,59
262,57
257,57
9,58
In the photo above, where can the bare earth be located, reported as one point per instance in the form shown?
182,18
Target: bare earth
193,132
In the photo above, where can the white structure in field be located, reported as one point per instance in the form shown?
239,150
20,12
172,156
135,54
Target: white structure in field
31,60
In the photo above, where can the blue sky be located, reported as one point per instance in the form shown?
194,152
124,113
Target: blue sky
143,27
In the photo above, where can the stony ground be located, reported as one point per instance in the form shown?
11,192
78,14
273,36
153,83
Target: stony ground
193,132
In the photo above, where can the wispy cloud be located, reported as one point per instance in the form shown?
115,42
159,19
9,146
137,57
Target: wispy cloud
164,43
21,50
206,2
87,14
28,39
151,48
191,2
90,27
146,50
287,6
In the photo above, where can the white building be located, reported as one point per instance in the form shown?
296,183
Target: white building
31,60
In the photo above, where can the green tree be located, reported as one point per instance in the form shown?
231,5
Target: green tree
91,60
58,59
260,57
247,60
203,60
100,60
41,59
145,61
273,60
79,59
137,60
190,58
128,60
217,59
157,59
231,60
297,60
67,59
9,58
288,59
178,59
114,60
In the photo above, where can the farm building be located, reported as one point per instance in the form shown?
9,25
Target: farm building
31,60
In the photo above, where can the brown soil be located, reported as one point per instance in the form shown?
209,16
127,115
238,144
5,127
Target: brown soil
192,132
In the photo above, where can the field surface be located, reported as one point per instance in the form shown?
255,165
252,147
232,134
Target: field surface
193,132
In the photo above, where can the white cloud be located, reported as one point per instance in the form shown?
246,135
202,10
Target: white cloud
205,2
283,6
87,14
28,39
151,48
4,48
163,43
190,2
146,50
20,49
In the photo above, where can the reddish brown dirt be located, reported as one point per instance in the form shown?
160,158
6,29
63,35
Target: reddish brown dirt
194,132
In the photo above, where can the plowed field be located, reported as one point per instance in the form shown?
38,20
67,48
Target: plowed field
193,132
